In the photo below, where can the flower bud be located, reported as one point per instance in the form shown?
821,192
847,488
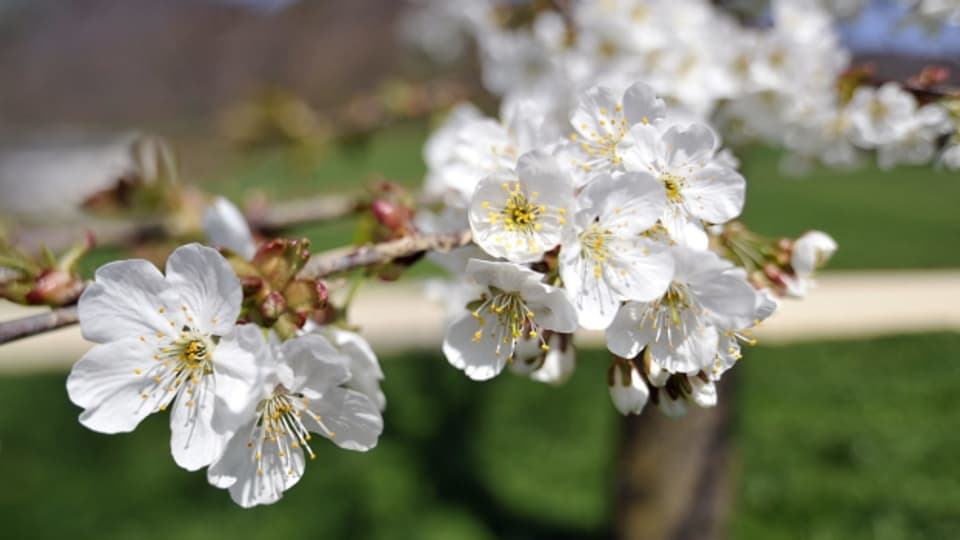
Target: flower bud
628,391
389,214
273,306
559,361
55,288
811,251
279,260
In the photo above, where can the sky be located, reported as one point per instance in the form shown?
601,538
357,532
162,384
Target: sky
879,29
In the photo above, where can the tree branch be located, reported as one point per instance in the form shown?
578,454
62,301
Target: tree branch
38,324
326,264
319,266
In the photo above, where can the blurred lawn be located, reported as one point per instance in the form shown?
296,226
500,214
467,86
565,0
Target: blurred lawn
845,440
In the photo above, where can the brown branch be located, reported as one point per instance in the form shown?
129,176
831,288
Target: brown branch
327,264
319,266
38,324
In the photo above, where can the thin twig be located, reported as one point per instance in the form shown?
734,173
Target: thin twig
38,324
327,264
319,266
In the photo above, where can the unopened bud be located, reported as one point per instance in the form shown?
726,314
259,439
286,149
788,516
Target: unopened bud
811,251
55,288
628,391
251,285
273,306
391,214
281,259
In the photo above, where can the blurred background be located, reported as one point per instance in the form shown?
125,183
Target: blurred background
846,438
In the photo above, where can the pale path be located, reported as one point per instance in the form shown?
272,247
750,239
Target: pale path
398,317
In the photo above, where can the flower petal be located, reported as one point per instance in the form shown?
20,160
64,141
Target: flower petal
715,194
315,364
127,299
207,286
106,383
194,442
627,335
478,359
225,226
642,106
352,420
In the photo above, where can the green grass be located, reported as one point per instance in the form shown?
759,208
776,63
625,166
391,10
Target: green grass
905,218
849,441
843,440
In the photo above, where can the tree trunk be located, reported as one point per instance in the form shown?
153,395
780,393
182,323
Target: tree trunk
675,475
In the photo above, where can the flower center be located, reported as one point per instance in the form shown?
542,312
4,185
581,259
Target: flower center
280,428
514,321
674,184
595,246
673,315
181,360
520,213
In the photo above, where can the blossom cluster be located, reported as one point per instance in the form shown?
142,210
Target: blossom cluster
776,83
606,228
243,403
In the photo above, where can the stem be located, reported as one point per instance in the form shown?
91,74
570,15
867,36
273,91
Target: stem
38,324
319,266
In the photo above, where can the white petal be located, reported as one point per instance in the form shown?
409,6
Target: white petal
730,298
644,150
552,308
241,365
683,230
125,301
225,226
690,144
628,334
207,286
697,351
587,114
642,106
194,442
811,251
715,194
365,372
105,382
237,469
352,418
558,363
479,360
704,393
596,303
628,391
315,363
643,270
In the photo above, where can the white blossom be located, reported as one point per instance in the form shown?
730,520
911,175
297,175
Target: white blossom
605,258
521,215
628,391
680,329
699,188
514,306
164,339
300,393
